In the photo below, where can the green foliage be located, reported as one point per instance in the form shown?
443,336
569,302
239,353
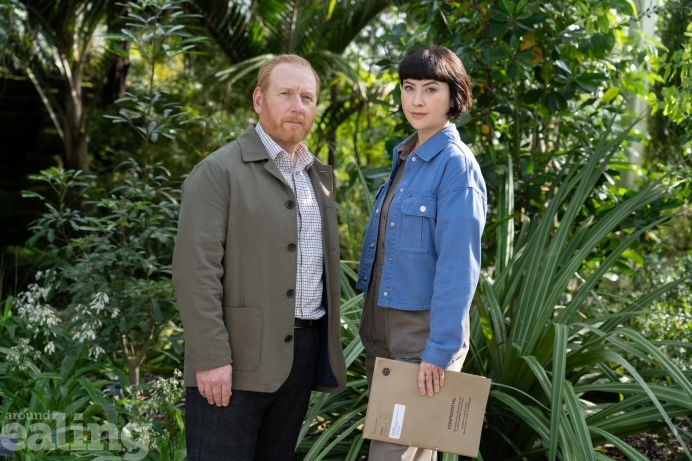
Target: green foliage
156,36
110,259
547,77
671,97
53,45
668,321
65,405
528,325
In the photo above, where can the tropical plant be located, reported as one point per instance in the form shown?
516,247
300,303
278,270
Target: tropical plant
671,97
546,360
49,42
251,34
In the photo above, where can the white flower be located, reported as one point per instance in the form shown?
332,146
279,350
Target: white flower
96,351
99,302
50,348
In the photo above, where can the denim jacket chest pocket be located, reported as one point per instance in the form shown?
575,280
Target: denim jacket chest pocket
417,230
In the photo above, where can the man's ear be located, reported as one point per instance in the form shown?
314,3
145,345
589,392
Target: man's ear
257,99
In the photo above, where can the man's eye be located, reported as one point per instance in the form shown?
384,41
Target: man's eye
307,98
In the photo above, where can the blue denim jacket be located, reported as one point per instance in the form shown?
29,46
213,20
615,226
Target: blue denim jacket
433,240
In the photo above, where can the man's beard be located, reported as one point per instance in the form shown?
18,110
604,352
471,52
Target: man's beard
281,134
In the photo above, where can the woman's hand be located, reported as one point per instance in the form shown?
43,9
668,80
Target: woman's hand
430,378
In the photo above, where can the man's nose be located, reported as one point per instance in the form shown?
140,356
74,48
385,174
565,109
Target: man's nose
297,103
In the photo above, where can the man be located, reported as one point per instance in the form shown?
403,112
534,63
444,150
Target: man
256,274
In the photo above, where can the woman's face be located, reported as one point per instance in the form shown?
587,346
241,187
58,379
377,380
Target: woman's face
426,104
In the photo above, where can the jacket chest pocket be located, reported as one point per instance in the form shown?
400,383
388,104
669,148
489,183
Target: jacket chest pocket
417,230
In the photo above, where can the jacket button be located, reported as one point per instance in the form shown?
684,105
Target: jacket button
290,204
372,244
365,278
422,209
288,338
290,293
291,247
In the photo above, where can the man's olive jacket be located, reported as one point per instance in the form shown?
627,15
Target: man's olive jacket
234,269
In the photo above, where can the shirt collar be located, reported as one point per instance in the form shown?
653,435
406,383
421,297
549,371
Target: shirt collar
432,146
304,158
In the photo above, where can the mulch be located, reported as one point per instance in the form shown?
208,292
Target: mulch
652,446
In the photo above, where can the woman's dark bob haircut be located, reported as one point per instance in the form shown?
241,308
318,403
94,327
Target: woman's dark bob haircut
438,63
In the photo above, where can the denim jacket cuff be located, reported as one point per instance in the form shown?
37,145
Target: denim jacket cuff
437,357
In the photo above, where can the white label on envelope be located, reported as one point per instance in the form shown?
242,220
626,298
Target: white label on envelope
397,421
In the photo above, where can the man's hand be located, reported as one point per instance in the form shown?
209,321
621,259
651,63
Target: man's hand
215,385
430,378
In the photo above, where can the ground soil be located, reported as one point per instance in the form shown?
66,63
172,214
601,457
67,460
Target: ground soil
652,446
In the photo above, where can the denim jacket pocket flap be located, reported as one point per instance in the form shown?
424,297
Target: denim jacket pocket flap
420,205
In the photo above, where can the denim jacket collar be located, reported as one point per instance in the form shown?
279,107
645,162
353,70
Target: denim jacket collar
434,145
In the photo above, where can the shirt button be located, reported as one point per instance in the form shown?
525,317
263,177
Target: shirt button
291,247
413,159
422,209
288,338
392,224
385,293
372,245
290,293
290,204
390,259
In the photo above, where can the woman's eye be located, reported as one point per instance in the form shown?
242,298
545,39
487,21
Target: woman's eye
431,90
408,88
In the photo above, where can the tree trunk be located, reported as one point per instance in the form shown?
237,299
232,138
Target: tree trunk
133,371
75,122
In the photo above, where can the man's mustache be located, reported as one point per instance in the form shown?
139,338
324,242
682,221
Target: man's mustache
295,120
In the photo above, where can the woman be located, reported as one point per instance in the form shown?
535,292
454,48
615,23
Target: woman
421,256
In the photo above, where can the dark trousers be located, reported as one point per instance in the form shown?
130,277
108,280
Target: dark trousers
257,426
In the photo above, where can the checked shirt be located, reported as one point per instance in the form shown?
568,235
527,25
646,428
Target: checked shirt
309,283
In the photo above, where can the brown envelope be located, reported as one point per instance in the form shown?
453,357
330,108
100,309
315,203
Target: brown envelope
450,421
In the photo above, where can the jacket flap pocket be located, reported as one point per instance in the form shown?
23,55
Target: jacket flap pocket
420,205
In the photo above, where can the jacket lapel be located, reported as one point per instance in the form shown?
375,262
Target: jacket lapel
252,149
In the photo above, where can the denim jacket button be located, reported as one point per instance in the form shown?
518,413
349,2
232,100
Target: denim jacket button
372,245
413,159
385,293
422,209
391,224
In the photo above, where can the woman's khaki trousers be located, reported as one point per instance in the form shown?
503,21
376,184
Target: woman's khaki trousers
398,335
